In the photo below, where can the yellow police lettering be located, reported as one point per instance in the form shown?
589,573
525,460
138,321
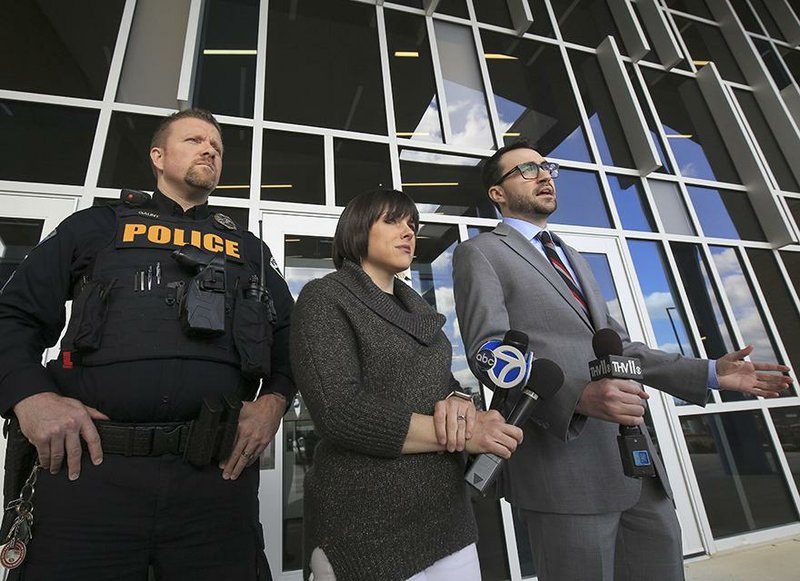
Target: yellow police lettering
132,231
232,248
159,234
178,239
213,243
196,241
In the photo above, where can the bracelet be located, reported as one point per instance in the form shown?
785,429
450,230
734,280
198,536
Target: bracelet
460,395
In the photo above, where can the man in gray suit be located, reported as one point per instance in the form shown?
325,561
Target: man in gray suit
586,519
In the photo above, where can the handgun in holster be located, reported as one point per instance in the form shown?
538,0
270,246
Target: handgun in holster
212,434
202,303
20,457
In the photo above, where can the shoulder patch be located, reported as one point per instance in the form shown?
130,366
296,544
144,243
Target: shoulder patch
224,221
274,264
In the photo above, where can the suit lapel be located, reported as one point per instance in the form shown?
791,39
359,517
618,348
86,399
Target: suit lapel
522,247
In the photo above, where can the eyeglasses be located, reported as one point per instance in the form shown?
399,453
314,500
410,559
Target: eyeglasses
530,170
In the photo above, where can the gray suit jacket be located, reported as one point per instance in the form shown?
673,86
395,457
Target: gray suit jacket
567,463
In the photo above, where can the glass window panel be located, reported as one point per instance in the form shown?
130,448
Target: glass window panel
766,18
416,104
773,63
45,143
331,44
687,122
580,199
236,162
444,184
632,206
745,14
602,274
603,117
706,43
791,58
412,3
725,214
781,306
18,236
767,142
791,260
715,332
463,85
696,7
787,424
671,208
794,208
293,168
586,22
661,297
743,304
360,166
58,48
493,12
225,82
544,112
453,8
652,125
738,473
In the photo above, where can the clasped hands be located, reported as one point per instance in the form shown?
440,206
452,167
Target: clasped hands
459,426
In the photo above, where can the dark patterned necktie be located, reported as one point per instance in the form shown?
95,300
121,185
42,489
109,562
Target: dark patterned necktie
550,251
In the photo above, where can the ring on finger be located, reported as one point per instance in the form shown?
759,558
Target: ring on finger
461,418
246,454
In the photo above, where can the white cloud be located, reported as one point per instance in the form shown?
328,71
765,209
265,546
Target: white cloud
657,304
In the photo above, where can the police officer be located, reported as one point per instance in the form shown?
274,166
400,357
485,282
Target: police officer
154,341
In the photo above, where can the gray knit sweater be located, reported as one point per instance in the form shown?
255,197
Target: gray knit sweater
363,366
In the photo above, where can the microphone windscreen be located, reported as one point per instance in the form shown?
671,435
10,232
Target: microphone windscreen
606,342
546,378
516,339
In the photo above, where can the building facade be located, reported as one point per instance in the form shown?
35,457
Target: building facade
675,123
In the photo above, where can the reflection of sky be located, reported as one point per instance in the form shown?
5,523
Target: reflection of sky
298,276
658,297
744,308
602,273
579,200
469,118
429,127
712,212
690,156
630,205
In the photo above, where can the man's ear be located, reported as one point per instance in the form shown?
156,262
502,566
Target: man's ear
156,157
496,195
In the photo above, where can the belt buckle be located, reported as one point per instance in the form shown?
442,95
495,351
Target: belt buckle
167,440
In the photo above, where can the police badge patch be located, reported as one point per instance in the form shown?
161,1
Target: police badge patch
224,221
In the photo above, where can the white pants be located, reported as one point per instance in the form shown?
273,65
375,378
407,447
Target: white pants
460,566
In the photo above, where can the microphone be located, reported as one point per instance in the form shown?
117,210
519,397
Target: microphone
610,364
546,378
507,364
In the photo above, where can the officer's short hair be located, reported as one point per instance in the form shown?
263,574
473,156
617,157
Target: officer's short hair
352,232
160,134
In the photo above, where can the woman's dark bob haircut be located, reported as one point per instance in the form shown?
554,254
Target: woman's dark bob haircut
352,231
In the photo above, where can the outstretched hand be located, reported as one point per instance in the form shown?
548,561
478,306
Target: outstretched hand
735,374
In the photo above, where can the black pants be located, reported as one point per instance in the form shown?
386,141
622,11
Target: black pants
129,514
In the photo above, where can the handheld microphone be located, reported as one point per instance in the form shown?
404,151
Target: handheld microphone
507,364
633,450
546,378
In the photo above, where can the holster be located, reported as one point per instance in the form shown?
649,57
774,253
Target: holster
20,457
212,434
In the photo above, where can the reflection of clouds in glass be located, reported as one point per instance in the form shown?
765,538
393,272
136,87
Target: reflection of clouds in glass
744,308
429,127
437,158
657,304
469,119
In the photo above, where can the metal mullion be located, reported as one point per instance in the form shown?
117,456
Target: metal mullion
781,456
106,108
787,280
488,91
444,117
687,202
676,33
587,130
648,194
391,123
259,98
188,68
330,171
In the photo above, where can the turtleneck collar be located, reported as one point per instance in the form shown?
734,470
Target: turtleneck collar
420,320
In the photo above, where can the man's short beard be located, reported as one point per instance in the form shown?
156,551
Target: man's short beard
200,179
530,206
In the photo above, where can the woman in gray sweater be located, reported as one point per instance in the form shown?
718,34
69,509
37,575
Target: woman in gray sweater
385,499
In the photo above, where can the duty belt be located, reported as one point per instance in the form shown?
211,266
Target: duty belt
208,438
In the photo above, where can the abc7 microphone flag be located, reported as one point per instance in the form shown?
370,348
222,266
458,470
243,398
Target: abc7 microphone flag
506,366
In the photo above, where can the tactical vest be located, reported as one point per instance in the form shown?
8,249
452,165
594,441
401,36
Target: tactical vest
129,308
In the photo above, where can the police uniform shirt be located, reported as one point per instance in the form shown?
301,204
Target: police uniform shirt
32,315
